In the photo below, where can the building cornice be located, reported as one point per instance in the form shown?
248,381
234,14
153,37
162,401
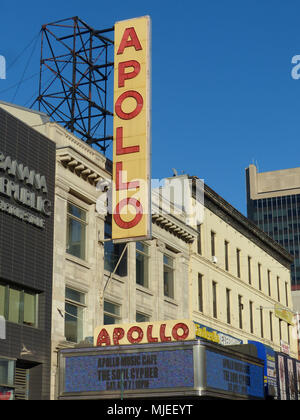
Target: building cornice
79,165
245,226
175,227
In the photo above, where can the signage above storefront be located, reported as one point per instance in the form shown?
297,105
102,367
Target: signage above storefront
284,314
131,192
23,189
215,336
144,332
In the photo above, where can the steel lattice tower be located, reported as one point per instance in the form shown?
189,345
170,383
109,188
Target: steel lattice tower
75,68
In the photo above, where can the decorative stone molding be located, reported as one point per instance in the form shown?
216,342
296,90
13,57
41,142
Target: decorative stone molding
177,228
79,165
160,245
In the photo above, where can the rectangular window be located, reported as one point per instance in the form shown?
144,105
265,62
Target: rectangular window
200,292
30,308
139,317
199,240
14,305
142,264
271,326
113,252
269,282
226,245
214,295
286,295
213,244
241,307
74,313
2,299
251,316
19,305
168,276
249,270
112,313
7,370
76,231
228,306
261,322
278,289
259,276
280,330
238,263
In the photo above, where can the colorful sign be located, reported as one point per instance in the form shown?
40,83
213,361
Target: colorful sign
267,354
6,394
144,332
131,193
215,336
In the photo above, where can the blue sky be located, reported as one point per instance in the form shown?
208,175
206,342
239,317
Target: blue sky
222,92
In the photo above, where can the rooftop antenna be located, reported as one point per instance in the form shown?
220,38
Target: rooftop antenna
75,68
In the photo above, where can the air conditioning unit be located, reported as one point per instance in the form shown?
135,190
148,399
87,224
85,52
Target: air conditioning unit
214,259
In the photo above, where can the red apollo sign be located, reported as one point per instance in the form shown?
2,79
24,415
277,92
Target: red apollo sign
131,146
144,332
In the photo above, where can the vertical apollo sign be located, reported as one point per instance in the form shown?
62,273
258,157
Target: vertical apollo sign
131,198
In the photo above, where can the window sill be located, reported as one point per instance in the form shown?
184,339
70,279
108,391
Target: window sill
144,289
77,260
121,279
170,300
24,324
65,345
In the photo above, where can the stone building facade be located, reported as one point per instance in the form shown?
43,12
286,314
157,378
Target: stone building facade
220,270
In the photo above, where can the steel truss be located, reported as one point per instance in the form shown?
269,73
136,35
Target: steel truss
79,61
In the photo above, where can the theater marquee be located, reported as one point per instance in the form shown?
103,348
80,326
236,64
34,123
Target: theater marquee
131,151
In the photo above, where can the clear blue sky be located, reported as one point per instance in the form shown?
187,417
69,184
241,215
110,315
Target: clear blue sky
222,92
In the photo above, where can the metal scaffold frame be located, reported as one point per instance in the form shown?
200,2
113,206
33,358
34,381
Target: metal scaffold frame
79,61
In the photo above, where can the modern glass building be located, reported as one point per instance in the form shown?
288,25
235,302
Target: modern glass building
273,204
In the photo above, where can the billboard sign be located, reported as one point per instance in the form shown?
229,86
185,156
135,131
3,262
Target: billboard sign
288,378
131,193
267,354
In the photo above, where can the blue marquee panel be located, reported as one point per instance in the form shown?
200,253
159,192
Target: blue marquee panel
234,375
129,371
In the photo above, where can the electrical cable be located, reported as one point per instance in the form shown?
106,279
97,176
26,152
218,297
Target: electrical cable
25,69
17,58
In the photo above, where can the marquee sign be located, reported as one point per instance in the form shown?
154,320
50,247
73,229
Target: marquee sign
175,369
144,332
131,147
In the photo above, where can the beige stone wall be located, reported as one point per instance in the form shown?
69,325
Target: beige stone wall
273,183
215,271
78,170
